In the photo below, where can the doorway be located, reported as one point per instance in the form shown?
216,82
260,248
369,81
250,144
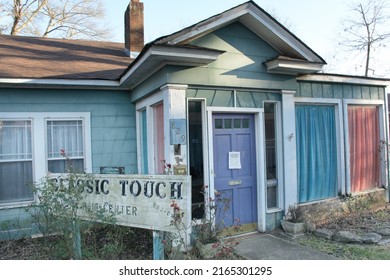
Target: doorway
235,165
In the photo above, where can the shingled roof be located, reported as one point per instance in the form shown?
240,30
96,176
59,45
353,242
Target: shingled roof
43,58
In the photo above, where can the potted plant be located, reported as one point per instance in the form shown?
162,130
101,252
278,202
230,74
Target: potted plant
293,224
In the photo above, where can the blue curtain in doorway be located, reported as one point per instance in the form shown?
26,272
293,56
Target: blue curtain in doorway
316,152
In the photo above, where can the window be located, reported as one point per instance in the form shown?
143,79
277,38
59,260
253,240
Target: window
30,146
271,154
66,136
316,152
15,161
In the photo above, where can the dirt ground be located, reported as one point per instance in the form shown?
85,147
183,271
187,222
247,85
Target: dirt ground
139,244
361,222
130,244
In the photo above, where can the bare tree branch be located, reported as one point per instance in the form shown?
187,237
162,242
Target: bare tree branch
56,18
25,13
367,29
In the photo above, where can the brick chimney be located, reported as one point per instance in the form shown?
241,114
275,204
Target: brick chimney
134,28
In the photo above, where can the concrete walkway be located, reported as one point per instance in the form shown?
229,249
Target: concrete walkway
275,246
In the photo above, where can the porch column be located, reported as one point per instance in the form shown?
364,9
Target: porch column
289,149
174,97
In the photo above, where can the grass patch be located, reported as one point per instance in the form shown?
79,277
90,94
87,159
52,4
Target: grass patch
346,251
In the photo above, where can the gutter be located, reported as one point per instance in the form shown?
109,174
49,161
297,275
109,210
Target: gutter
58,83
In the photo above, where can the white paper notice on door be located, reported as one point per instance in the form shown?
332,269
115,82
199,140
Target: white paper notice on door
234,160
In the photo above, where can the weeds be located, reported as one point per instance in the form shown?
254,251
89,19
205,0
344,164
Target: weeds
210,229
345,251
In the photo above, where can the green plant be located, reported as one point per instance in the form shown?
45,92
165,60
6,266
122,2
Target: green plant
210,229
359,203
294,214
58,209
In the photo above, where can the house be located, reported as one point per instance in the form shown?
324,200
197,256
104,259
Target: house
236,99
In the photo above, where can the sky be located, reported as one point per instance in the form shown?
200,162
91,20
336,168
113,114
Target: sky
317,23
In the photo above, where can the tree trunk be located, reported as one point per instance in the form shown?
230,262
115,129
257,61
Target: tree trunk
368,59
17,16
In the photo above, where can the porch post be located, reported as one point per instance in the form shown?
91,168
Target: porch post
289,149
174,97
175,131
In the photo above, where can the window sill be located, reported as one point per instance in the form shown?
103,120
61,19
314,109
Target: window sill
273,210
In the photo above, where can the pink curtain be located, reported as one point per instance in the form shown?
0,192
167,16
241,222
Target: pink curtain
363,122
158,111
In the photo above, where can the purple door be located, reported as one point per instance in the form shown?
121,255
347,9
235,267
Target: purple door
235,168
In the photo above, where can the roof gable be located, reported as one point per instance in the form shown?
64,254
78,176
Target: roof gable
255,19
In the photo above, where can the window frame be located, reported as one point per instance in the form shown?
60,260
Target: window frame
24,119
47,120
205,154
279,158
340,132
147,104
39,151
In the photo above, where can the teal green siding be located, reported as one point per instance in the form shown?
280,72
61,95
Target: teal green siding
339,91
240,66
15,223
113,131
152,84
113,134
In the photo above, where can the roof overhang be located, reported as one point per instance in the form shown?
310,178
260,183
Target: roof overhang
345,79
292,67
154,57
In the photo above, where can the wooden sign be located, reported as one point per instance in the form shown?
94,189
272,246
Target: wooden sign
143,201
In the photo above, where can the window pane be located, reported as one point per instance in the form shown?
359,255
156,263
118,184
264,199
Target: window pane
245,123
218,123
270,140
271,154
67,136
237,123
15,181
15,161
228,123
272,197
15,140
63,165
